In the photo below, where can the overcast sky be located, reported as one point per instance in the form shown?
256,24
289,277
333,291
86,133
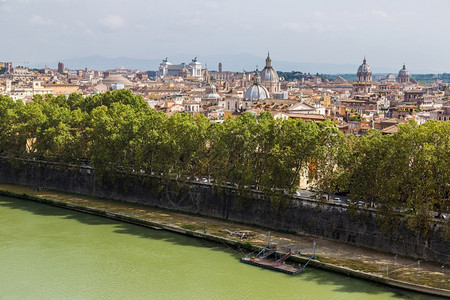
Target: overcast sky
388,32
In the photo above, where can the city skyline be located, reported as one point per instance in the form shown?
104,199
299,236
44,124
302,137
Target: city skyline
389,33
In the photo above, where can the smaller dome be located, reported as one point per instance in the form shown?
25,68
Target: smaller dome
403,72
256,92
364,73
211,96
211,93
364,68
390,78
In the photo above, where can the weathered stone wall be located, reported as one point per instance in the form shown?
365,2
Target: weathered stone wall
302,215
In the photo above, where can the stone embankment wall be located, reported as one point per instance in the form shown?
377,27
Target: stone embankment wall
301,215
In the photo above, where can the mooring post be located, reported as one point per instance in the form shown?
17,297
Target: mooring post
314,250
442,282
418,270
395,265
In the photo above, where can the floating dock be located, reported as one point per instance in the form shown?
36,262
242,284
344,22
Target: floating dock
261,260
272,265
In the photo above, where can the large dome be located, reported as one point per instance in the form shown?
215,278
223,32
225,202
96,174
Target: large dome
364,68
111,79
269,77
403,72
403,75
256,92
364,73
268,74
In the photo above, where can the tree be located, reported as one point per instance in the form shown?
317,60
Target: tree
8,120
331,160
295,144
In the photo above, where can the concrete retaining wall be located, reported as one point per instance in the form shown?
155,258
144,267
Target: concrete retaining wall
301,215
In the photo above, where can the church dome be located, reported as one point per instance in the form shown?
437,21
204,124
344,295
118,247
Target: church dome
403,72
364,73
364,68
390,78
256,92
211,93
111,79
269,77
403,75
268,74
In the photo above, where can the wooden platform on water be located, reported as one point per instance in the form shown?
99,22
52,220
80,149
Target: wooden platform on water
271,265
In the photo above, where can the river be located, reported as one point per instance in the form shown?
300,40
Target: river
52,253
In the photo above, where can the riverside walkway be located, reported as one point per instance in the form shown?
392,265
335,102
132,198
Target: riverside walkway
344,258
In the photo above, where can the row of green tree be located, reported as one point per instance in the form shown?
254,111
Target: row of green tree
404,175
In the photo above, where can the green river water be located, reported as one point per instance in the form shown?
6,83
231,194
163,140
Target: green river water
52,253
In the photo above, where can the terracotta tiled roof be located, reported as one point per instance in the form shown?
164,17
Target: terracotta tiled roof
390,130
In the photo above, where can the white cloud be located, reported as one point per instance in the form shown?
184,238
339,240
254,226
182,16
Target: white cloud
113,22
319,14
212,4
194,21
5,6
379,13
39,20
295,26
304,27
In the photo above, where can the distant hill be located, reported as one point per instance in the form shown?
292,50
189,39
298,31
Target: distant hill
97,62
235,62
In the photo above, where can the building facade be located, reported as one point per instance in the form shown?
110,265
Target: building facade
194,69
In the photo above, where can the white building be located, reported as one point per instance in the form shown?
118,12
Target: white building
194,69
27,93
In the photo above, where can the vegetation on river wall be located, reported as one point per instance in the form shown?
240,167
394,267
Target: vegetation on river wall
405,174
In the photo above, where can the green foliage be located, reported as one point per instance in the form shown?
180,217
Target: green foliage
354,117
332,161
431,77
405,175
189,227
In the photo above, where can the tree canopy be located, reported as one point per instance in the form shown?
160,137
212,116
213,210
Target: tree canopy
404,175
